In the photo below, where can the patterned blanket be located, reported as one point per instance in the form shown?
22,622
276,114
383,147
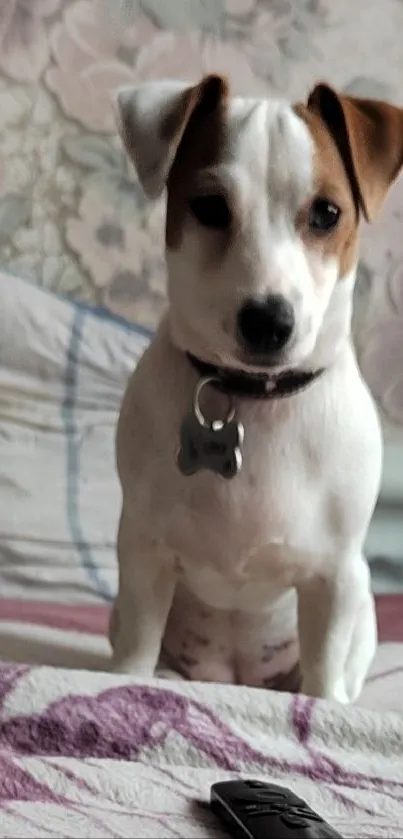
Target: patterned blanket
91,755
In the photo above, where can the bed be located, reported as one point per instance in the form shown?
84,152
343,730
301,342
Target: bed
86,753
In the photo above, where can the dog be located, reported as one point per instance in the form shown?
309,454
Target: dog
249,449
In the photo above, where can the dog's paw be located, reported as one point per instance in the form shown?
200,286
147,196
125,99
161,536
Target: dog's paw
340,693
355,680
132,666
335,692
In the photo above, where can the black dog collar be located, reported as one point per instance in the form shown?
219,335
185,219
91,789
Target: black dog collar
255,385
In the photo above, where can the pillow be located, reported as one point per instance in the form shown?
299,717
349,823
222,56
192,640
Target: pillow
63,370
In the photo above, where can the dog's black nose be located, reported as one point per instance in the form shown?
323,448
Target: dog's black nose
266,325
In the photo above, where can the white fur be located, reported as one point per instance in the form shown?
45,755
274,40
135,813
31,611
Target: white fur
296,517
140,112
269,175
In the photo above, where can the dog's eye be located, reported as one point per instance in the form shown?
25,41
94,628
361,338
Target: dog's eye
323,215
211,211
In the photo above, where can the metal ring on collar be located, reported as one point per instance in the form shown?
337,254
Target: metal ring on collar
215,424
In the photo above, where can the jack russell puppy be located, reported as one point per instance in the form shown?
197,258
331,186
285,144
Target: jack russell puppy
248,447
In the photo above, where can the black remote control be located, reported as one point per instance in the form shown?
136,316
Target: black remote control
255,810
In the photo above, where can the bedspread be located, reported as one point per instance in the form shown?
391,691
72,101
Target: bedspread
84,753
88,755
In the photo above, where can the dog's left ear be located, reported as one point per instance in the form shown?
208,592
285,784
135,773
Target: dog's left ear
369,137
154,117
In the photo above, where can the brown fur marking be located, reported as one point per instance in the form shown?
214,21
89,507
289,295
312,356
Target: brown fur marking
200,147
331,182
369,137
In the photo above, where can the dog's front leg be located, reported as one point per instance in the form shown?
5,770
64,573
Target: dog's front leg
328,610
146,588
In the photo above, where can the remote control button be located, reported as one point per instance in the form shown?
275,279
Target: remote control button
300,817
255,784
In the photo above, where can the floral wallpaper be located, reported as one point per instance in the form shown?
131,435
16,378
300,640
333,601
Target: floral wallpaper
72,216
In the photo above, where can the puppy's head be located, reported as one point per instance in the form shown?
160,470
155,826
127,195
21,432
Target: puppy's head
264,204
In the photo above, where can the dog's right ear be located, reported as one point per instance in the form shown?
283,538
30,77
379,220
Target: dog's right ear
369,137
153,118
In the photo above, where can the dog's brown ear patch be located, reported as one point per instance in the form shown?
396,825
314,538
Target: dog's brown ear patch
200,145
330,181
153,119
199,102
369,137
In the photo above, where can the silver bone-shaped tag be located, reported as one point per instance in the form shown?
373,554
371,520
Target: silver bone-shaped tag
210,445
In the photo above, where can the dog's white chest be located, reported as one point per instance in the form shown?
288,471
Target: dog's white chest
255,526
